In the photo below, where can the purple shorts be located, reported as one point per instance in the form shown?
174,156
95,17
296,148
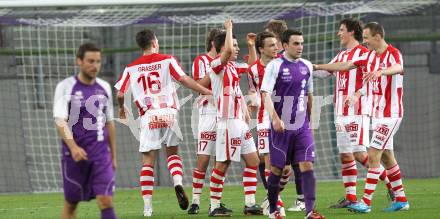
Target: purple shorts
85,180
291,147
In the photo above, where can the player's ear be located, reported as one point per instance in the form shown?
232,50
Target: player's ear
78,61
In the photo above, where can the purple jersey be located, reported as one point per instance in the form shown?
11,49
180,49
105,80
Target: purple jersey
290,82
87,108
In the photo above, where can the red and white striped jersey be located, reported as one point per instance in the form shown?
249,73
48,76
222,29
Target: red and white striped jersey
386,92
255,78
348,82
149,78
201,66
225,81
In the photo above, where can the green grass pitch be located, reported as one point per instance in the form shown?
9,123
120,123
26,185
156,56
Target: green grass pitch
423,195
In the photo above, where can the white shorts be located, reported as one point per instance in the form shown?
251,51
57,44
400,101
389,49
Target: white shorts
383,132
159,127
352,133
233,139
263,130
207,134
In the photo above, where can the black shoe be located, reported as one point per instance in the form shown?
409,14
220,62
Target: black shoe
181,197
253,210
194,209
391,195
220,212
342,203
222,206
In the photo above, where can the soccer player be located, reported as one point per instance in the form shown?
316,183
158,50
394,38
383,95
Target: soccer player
150,79
266,46
383,71
233,135
290,136
352,118
207,122
278,27
83,112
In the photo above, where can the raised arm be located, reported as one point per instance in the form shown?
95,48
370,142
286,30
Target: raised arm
250,40
229,46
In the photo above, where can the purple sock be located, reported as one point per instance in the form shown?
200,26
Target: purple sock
298,179
273,188
108,213
309,187
261,169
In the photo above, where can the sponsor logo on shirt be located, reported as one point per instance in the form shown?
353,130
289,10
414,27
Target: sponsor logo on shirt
303,70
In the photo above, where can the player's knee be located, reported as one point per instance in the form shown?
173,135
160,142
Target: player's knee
172,150
104,202
305,166
70,207
276,171
360,156
346,157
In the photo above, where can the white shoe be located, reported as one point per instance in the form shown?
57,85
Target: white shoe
148,212
297,206
265,206
282,211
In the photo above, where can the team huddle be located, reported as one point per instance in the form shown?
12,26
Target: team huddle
367,96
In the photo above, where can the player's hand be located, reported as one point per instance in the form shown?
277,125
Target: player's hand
228,23
250,39
278,125
78,154
352,100
371,76
122,113
114,163
315,67
252,108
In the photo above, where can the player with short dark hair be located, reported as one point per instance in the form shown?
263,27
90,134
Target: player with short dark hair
83,112
151,81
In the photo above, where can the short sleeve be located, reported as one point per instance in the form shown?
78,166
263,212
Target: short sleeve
61,101
310,80
361,60
251,80
109,111
396,57
217,66
270,76
198,69
241,68
123,82
176,70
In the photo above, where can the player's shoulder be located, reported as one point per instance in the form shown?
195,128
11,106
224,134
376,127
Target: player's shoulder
362,49
204,58
276,62
393,49
105,85
305,61
67,82
152,58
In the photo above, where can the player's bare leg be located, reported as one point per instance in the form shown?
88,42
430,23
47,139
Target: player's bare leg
147,180
175,167
105,204
250,184
69,210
